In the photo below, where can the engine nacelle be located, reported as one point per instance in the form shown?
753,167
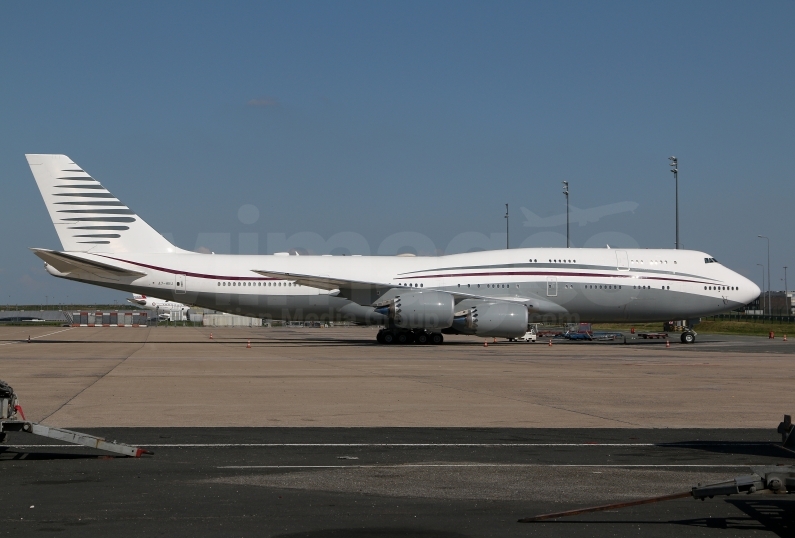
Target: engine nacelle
431,310
506,320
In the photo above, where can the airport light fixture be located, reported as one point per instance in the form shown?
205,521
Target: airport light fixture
763,280
768,272
507,229
675,169
566,193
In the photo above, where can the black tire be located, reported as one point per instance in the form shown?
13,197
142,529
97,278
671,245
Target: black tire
688,338
437,338
388,338
403,338
422,338
380,337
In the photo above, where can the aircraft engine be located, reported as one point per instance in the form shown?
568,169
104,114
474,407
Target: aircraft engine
431,310
507,320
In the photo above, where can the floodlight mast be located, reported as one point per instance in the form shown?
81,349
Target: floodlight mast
769,308
675,169
566,193
763,285
507,229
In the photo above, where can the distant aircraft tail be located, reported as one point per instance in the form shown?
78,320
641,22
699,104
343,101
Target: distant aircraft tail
87,217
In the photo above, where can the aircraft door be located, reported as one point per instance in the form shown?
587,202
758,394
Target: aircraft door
622,260
552,286
179,284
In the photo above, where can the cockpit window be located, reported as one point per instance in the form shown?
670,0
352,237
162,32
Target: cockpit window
710,260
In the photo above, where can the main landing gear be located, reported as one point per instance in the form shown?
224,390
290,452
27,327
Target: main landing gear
403,336
688,337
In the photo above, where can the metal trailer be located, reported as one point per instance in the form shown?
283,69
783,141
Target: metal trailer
12,419
652,335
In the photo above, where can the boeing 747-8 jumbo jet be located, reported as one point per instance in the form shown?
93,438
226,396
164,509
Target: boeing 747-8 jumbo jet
494,293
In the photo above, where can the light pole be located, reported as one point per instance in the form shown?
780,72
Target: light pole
566,193
675,169
507,229
763,282
786,291
768,273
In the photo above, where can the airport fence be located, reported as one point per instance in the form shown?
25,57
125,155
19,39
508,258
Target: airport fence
751,318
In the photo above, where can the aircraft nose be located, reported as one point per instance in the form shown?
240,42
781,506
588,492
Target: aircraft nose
753,291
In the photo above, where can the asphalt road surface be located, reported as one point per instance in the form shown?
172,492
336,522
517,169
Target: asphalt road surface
387,482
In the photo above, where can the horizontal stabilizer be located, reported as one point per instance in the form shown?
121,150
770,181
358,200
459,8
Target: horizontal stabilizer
69,263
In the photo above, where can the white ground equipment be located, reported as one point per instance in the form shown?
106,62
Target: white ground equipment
12,419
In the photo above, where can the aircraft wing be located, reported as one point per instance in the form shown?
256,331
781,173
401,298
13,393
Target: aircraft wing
375,293
68,263
320,281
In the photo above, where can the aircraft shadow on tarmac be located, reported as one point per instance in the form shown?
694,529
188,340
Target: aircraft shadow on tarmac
771,450
774,515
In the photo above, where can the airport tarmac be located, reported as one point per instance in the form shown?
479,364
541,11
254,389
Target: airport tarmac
323,433
178,377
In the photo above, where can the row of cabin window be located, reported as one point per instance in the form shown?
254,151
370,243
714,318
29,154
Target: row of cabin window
653,262
718,288
491,285
256,284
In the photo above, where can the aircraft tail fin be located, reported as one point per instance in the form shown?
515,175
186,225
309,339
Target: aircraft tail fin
86,216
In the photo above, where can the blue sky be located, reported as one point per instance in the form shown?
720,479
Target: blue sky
382,123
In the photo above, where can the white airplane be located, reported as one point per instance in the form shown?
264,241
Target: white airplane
492,293
581,216
164,309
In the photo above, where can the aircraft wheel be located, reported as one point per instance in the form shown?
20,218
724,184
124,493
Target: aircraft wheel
403,338
688,338
437,338
388,337
380,337
422,338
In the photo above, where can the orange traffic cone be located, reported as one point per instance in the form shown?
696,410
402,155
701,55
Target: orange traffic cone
211,336
667,343
785,337
495,340
28,339
248,345
550,343
486,343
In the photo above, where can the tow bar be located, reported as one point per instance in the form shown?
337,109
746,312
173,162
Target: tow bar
12,419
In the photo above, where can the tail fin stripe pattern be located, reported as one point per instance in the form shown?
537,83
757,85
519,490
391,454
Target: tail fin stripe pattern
87,194
99,227
57,173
